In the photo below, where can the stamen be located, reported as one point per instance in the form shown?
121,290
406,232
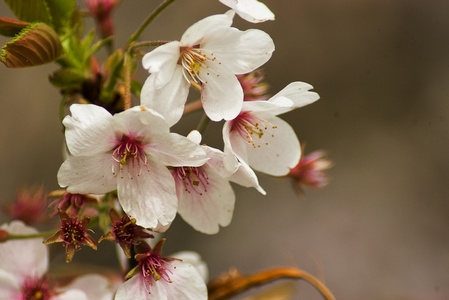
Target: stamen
130,153
193,60
249,127
193,178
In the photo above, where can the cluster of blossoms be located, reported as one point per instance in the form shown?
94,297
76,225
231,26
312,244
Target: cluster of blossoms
129,163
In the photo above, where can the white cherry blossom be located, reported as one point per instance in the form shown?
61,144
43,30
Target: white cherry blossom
251,10
165,278
128,152
258,138
23,268
206,198
210,54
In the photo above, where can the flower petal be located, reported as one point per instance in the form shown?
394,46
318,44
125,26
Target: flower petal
176,150
221,94
27,257
93,286
208,206
149,197
71,295
279,149
161,62
205,27
250,10
88,130
88,174
195,260
10,286
298,92
241,51
168,100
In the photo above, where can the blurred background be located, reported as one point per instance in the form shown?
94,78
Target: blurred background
379,230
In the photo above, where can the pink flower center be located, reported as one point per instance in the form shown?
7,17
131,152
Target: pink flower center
193,178
155,267
252,129
35,288
129,152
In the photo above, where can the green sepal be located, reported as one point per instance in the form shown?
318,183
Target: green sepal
30,11
67,78
36,44
11,27
61,12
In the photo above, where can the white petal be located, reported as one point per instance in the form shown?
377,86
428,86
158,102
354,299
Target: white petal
241,51
205,27
251,10
206,207
242,174
222,95
140,123
276,106
150,197
195,260
169,100
134,288
298,92
10,287
88,174
27,257
93,286
88,130
71,295
279,149
195,136
161,62
176,150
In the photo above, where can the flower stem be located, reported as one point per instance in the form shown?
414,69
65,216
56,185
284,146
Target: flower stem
235,283
203,124
192,106
29,236
127,96
148,20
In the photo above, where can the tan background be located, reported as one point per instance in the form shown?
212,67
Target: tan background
380,229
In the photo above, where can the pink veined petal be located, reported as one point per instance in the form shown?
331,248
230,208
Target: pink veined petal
10,286
241,51
168,100
203,28
88,130
88,174
187,284
176,150
298,92
279,148
28,257
250,10
221,94
195,260
93,286
161,62
207,207
150,197
135,288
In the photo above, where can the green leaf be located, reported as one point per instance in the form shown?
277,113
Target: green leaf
35,45
30,10
67,78
61,12
11,27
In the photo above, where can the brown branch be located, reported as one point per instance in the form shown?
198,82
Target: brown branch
233,283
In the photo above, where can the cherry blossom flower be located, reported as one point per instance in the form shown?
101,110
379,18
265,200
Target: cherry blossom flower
210,54
254,86
163,278
72,204
23,268
310,171
206,198
30,205
125,232
102,10
258,138
128,152
250,10
72,234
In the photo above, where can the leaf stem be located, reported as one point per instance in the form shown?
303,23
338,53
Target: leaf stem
29,236
148,20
